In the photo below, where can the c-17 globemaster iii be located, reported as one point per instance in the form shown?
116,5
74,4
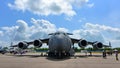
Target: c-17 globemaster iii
60,44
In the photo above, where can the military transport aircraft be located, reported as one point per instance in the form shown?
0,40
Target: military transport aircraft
2,51
60,44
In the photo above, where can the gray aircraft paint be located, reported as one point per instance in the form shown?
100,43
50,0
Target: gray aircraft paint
59,42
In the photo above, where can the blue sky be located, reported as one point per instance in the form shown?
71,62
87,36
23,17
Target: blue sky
84,13
99,13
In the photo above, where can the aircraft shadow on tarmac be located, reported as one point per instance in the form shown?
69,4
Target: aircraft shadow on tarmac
31,56
73,57
37,56
84,56
56,59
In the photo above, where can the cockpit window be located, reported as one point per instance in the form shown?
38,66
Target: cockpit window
64,33
57,33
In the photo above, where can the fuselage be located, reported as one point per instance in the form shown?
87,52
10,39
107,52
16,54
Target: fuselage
60,42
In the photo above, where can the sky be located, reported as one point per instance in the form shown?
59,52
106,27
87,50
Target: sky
93,20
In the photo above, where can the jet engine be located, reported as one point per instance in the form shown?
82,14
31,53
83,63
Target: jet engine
22,45
37,43
97,45
82,43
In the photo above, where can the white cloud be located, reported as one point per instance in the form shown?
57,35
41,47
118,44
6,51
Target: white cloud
82,20
80,3
21,31
63,29
43,26
89,35
101,33
40,29
90,5
109,32
23,26
49,7
1,33
8,32
4,44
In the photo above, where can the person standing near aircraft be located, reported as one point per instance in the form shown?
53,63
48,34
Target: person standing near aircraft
90,53
104,54
116,54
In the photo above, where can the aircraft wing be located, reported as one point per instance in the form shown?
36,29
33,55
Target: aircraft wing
37,43
84,43
107,46
92,43
45,40
42,40
75,40
81,42
13,45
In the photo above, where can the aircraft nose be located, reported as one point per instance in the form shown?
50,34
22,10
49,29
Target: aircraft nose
59,43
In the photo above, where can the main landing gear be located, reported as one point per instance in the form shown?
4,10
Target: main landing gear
58,54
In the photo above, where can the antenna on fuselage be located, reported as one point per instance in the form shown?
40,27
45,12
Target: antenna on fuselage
51,34
69,33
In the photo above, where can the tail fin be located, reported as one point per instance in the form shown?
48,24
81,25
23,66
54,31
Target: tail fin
109,44
11,44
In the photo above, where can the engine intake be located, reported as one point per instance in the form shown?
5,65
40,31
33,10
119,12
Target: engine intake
82,43
22,45
97,45
37,43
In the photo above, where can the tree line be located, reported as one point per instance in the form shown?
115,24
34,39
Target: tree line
75,48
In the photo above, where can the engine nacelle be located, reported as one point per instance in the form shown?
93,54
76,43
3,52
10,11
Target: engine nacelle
22,45
82,43
97,45
37,43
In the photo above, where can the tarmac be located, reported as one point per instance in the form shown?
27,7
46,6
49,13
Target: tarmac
34,60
